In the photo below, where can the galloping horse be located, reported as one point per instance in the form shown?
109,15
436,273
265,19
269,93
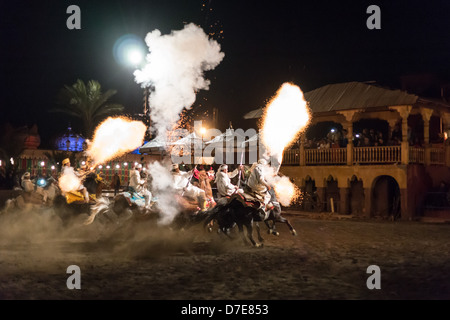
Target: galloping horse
243,210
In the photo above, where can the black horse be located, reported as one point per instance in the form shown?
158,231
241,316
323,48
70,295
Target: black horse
244,210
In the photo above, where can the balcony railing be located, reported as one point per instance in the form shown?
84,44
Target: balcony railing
365,155
391,154
437,156
326,156
416,155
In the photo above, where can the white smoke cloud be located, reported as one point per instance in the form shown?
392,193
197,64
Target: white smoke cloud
174,69
162,188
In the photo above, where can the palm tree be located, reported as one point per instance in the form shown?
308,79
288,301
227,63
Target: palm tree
88,103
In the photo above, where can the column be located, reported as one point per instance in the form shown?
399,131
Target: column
301,155
406,211
404,113
348,125
446,128
344,200
367,202
426,115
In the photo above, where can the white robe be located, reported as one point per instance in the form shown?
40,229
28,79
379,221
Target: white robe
223,182
182,184
138,184
257,183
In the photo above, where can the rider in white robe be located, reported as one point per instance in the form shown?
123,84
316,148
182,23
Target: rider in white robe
223,182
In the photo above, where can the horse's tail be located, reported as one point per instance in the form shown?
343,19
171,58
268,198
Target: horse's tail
100,206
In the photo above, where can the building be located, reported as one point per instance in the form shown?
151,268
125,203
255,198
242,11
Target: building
401,174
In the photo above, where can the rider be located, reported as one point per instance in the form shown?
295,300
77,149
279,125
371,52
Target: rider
258,185
137,184
223,181
181,183
32,189
67,169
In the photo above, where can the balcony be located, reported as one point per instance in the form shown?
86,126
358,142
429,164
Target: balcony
367,156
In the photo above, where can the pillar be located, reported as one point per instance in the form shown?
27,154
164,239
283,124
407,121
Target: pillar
404,114
344,200
446,128
367,202
406,210
301,155
348,125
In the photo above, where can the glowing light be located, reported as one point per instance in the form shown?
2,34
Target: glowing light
53,167
42,163
134,56
83,163
100,166
117,166
0,163
11,160
286,115
125,163
135,164
202,130
41,182
108,167
129,50
69,181
115,137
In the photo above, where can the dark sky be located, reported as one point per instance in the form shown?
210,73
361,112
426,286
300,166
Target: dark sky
309,43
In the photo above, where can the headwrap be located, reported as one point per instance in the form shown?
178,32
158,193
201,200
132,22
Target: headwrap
262,161
65,161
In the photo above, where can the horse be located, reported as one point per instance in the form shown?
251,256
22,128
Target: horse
72,204
35,200
275,216
245,210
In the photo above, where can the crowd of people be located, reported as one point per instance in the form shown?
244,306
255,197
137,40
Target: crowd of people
366,138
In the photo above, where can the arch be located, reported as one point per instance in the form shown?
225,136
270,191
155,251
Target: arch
386,201
309,195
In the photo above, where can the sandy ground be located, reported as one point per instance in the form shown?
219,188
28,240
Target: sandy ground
327,260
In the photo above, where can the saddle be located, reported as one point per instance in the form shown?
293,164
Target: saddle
247,200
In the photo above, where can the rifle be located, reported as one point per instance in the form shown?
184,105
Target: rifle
189,180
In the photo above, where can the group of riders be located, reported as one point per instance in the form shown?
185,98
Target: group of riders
195,184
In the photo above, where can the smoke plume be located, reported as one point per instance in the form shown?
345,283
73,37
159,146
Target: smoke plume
174,70
162,187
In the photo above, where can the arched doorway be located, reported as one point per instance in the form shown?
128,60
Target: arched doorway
310,197
356,196
385,198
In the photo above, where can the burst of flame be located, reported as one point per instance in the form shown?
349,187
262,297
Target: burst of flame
286,191
285,116
69,181
115,137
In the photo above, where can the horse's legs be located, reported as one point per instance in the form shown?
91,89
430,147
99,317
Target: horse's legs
284,220
271,229
250,234
241,232
258,230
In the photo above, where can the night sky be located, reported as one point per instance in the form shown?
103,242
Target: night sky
309,43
